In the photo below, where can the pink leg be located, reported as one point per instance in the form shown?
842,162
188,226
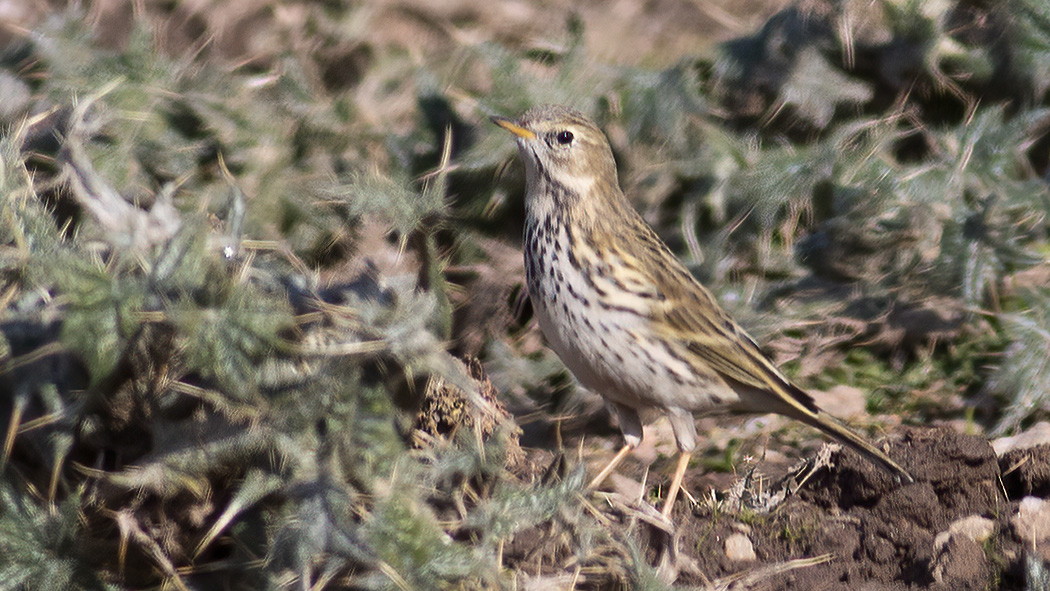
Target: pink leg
607,470
676,482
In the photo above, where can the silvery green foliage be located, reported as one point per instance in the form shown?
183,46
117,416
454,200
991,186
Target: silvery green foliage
1022,379
228,402
1036,573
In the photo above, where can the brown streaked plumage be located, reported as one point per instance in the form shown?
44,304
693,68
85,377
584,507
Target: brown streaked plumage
621,310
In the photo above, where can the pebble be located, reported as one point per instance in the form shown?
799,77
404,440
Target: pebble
1037,434
1032,522
974,527
739,548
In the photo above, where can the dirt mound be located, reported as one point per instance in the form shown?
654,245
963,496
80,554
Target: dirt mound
954,528
846,525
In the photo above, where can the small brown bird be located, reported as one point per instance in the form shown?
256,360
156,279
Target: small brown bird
625,316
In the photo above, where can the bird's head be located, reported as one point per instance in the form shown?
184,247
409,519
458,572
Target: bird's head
563,148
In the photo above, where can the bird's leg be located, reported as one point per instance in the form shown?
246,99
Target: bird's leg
613,463
631,427
676,482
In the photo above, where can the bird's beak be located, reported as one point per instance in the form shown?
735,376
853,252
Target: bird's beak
513,128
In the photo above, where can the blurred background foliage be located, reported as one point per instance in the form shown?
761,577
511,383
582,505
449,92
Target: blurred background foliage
250,255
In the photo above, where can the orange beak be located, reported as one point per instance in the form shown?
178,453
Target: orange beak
513,128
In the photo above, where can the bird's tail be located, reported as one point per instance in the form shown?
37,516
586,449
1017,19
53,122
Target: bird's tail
830,425
788,399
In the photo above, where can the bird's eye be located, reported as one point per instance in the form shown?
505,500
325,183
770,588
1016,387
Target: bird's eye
564,137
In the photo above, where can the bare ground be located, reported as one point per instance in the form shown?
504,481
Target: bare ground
968,521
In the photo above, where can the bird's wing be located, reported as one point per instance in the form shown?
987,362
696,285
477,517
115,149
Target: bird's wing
713,338
688,314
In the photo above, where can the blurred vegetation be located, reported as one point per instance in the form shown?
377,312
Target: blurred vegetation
228,286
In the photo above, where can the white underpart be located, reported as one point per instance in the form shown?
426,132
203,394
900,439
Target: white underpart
644,374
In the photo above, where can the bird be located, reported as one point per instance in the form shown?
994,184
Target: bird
625,316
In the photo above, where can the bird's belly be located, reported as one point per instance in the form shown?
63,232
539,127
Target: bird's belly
614,352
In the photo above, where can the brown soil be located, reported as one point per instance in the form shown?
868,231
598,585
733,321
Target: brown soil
869,531
878,531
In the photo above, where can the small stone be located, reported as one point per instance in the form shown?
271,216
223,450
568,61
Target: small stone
1037,434
974,528
1032,522
739,548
